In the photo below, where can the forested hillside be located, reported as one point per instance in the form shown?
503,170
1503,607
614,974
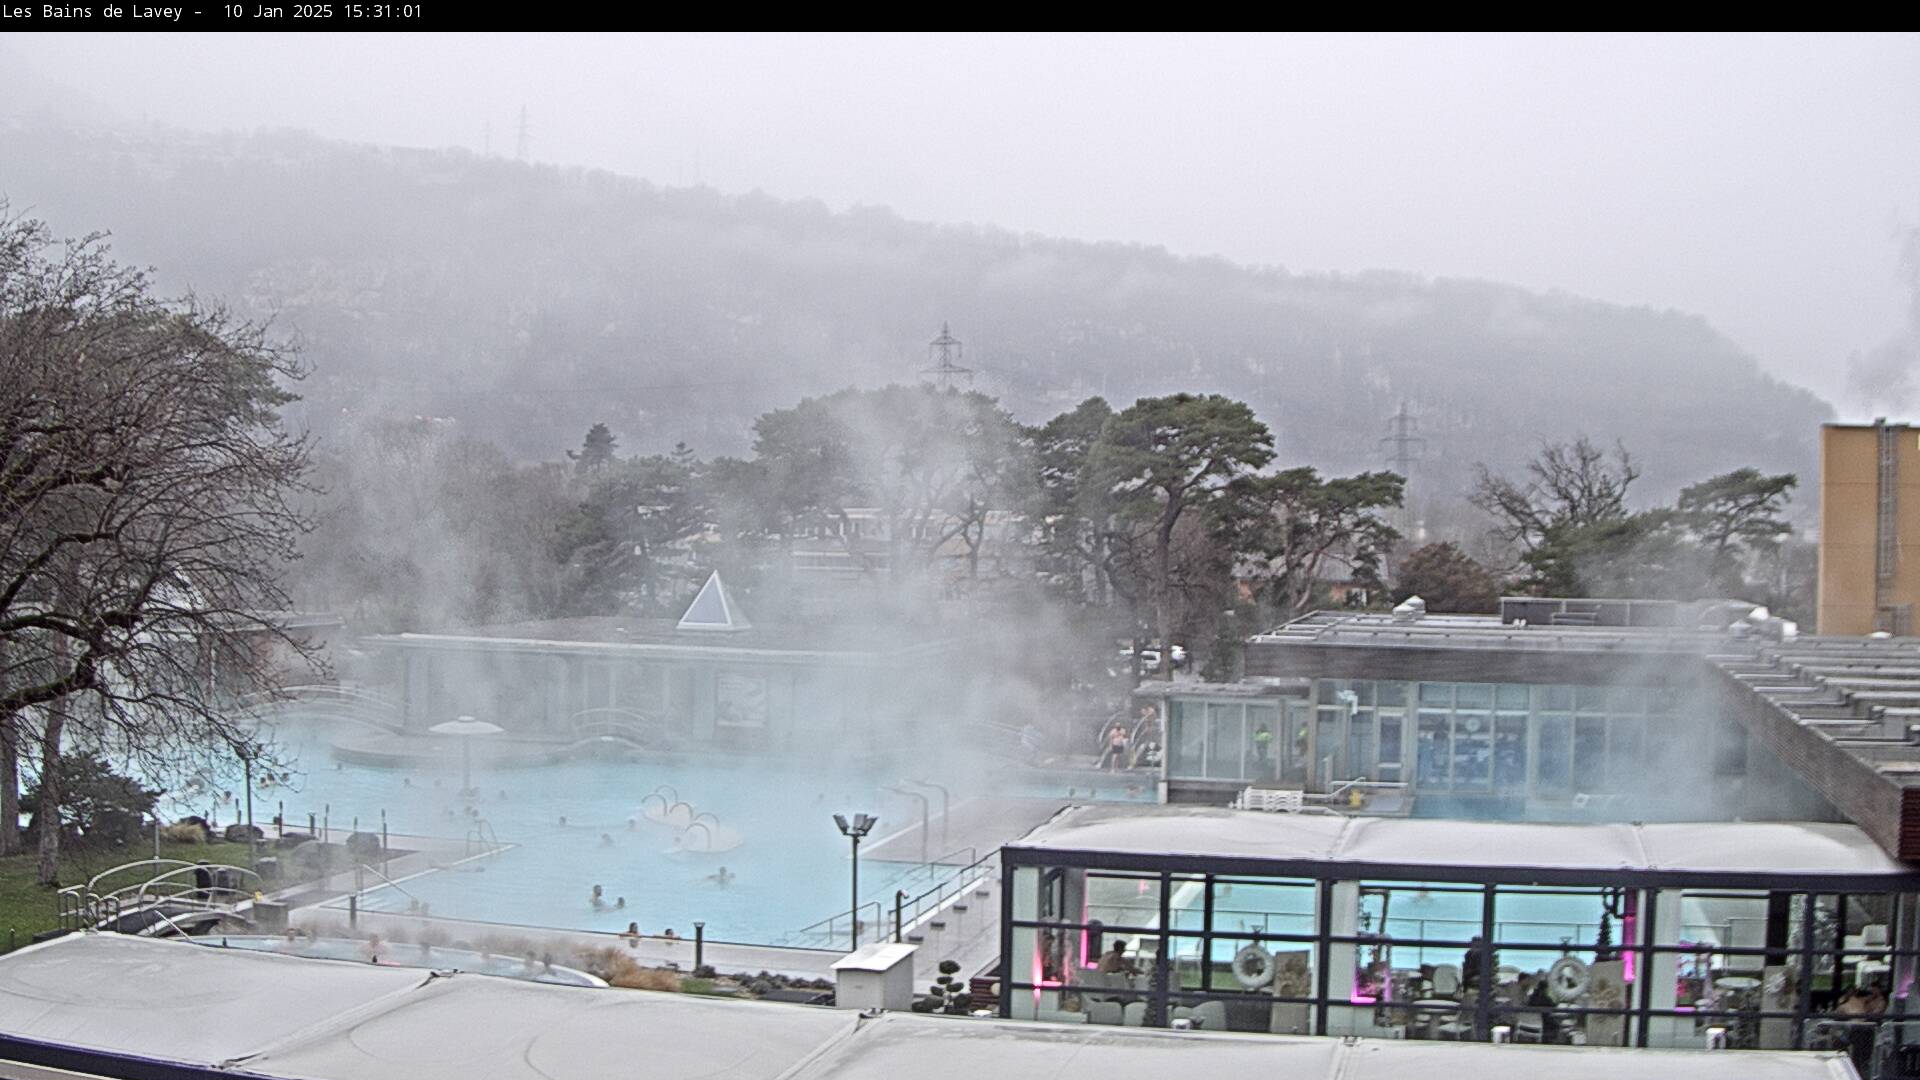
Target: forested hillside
524,303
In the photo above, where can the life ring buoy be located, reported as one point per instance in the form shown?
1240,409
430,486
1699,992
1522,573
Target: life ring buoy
1253,967
1568,979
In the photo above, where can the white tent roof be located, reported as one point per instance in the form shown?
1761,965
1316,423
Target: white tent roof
468,1026
303,1019
134,995
1716,847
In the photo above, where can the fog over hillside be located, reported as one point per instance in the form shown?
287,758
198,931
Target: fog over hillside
525,302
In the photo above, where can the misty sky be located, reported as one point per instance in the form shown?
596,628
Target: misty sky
1757,180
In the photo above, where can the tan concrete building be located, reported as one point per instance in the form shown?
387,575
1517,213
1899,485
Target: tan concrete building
1869,527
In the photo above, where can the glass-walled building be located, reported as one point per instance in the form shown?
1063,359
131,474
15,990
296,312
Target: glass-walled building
1772,935
1477,749
1484,717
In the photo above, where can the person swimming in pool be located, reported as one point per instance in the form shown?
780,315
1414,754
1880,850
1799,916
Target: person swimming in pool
721,877
598,899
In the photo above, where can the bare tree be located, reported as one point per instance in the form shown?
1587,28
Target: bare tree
145,516
1568,486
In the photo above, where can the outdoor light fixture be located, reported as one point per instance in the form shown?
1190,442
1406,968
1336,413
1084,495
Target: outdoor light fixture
861,825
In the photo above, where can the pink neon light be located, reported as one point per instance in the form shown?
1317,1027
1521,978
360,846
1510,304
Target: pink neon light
1627,924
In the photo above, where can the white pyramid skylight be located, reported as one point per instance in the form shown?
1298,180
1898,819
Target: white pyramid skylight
714,609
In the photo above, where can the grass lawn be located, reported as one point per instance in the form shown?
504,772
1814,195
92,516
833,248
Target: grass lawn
27,908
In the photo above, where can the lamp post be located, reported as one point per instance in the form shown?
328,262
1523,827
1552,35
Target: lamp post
860,826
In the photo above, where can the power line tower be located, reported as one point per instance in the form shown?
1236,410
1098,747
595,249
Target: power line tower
944,352
523,139
1405,447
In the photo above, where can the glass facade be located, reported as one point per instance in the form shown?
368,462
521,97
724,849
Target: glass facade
1234,740
1541,743
1600,964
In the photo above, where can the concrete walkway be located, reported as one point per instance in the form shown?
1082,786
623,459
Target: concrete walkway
982,824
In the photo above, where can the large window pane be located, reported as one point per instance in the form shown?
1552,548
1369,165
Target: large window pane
1391,727
1188,739
1327,744
1251,906
1473,696
1510,754
1225,740
1294,744
1511,696
1552,769
1590,753
1432,693
1187,903
1263,742
1623,745
1360,744
1472,750
1121,899
1433,749
1391,694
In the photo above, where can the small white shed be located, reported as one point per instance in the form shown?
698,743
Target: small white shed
875,977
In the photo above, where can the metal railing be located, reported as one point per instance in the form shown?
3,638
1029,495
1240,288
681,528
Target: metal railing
932,867
911,912
342,702
855,926
482,840
85,907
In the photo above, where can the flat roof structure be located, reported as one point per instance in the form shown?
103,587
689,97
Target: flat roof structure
109,1005
1370,645
1841,712
1764,854
105,1005
616,635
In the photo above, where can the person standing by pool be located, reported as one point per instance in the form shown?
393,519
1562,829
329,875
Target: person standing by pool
1115,754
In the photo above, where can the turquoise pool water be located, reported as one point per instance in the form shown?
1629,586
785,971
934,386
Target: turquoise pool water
790,868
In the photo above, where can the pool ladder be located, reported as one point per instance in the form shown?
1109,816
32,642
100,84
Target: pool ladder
481,839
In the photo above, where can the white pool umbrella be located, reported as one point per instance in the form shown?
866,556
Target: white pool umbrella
466,727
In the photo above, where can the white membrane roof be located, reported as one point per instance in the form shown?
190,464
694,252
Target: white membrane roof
257,1014
1707,848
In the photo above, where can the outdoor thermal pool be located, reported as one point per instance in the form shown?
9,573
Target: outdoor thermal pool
579,823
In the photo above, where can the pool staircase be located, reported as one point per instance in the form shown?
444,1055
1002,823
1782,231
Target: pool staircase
951,891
